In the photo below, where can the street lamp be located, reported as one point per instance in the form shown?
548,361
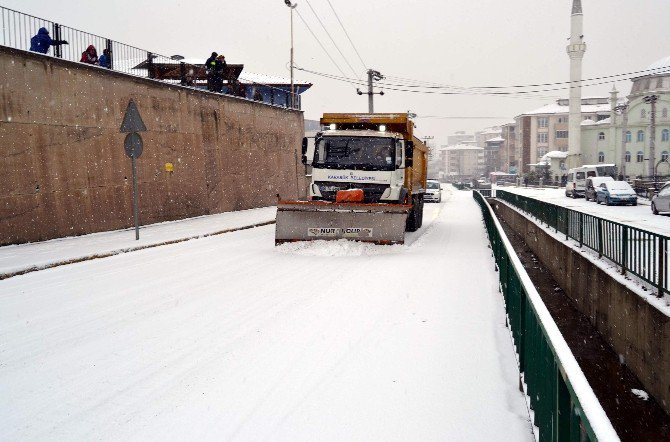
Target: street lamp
291,6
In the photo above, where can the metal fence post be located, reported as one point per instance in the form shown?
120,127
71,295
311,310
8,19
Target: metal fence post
600,238
581,229
150,65
110,55
662,243
624,250
57,48
182,72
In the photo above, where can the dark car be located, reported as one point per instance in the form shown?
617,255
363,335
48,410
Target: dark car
592,185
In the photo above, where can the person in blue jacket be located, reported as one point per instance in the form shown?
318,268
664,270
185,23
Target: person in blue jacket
42,42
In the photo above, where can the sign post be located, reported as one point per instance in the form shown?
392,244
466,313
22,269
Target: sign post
133,145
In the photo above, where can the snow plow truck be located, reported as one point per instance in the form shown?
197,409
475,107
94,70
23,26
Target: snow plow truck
368,182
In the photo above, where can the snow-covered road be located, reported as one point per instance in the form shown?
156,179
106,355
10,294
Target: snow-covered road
228,337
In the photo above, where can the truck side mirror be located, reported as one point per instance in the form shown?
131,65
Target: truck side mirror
304,150
409,154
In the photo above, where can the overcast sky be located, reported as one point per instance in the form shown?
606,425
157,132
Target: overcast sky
455,42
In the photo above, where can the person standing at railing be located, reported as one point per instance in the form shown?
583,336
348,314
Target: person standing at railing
209,69
89,56
42,42
218,70
105,59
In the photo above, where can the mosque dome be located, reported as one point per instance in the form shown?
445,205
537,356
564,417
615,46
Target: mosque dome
656,79
658,64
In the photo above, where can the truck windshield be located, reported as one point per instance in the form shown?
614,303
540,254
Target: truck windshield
362,153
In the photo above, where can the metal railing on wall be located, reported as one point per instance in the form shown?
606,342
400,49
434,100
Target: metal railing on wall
638,251
19,28
563,404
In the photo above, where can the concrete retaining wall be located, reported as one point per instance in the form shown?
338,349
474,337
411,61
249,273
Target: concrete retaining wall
636,330
64,168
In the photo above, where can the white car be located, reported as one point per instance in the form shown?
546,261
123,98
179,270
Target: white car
661,201
433,191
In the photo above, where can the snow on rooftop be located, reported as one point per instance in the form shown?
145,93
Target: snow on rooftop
496,139
462,147
555,154
555,108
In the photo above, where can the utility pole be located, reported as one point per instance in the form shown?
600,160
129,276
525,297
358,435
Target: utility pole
292,6
425,141
372,76
623,110
651,99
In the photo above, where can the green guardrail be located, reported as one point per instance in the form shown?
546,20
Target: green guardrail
563,404
638,251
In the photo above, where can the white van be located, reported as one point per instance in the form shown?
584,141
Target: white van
576,184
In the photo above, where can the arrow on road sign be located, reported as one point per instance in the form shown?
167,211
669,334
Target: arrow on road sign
132,122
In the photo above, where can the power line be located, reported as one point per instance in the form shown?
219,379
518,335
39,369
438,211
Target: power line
320,44
347,34
465,91
352,81
331,39
432,85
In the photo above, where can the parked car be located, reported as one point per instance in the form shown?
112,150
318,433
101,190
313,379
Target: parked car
433,191
592,184
661,201
575,185
616,192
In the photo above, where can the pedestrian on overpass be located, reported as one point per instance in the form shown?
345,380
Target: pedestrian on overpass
209,68
42,42
89,56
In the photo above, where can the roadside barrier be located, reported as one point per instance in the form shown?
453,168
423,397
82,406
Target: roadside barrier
563,404
638,251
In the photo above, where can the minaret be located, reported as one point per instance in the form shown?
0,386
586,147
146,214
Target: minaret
576,50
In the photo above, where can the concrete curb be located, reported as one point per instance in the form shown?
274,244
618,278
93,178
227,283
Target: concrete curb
127,250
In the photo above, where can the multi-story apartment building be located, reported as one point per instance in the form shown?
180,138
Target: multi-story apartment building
546,129
462,161
460,137
508,162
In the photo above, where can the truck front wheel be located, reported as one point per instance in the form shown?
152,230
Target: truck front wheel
414,218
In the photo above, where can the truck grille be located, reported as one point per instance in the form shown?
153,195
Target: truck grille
372,192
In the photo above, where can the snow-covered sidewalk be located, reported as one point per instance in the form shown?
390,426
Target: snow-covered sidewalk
231,338
34,256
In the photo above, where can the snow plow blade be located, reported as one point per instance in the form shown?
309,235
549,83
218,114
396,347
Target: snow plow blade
312,220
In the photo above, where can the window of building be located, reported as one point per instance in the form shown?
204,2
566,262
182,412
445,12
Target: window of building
629,137
542,137
542,122
561,134
643,113
561,120
602,117
664,155
659,83
664,112
665,135
627,157
640,156
601,136
640,135
601,157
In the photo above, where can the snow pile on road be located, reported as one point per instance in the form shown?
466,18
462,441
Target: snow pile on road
340,247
